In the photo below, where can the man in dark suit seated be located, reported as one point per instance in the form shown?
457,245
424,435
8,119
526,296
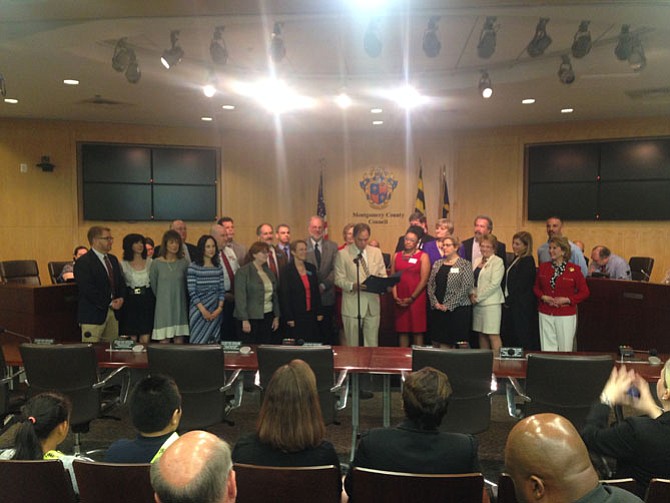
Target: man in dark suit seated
416,445
155,411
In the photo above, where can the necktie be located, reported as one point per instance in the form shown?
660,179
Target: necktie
229,270
364,265
110,274
273,264
317,254
287,251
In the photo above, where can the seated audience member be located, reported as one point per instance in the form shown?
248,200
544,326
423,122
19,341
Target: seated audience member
155,411
604,262
290,427
197,468
641,444
44,423
548,462
67,272
416,445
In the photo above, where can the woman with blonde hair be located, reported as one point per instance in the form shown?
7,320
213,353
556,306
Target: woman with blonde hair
290,427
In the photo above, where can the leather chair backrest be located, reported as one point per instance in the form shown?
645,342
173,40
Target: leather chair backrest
113,483
640,268
20,271
42,481
55,268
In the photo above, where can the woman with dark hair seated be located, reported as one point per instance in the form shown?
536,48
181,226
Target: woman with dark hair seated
416,445
44,423
290,427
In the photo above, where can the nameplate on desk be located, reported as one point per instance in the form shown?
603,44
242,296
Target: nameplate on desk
231,346
633,295
43,341
312,344
123,345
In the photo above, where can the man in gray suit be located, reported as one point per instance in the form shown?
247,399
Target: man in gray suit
239,250
321,253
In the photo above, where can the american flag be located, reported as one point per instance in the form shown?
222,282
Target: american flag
321,207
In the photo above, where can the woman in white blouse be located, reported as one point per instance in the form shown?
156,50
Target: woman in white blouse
137,315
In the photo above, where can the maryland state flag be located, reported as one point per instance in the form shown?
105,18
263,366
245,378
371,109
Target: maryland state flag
420,204
445,197
321,207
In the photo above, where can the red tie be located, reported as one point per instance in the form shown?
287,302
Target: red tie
110,274
229,269
273,264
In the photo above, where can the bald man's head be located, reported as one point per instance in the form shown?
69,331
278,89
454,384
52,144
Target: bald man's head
196,468
548,460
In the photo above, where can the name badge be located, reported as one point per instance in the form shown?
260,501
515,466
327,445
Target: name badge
454,270
413,260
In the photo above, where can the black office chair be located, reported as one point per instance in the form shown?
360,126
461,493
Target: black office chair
72,369
332,393
640,268
45,481
112,482
8,379
55,268
200,375
562,384
469,372
391,487
20,271
304,484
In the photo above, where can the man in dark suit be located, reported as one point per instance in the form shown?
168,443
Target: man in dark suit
277,259
321,254
239,250
416,445
101,288
469,249
417,219
191,252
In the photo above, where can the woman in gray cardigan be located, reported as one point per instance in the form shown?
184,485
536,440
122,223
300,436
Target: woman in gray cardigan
256,300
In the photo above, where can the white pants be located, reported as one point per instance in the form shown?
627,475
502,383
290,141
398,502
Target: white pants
370,329
557,333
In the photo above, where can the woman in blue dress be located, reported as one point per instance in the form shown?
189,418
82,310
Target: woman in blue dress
204,278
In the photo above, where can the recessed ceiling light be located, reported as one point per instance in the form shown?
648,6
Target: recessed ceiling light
567,110
13,101
206,119
71,82
228,107
377,123
528,101
376,110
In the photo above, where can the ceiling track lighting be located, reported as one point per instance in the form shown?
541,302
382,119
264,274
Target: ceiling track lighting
637,60
3,87
485,87
371,41
565,72
487,38
625,44
541,41
125,60
581,44
431,43
217,49
173,55
277,47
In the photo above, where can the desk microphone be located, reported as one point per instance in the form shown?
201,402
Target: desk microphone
21,336
646,274
87,334
358,258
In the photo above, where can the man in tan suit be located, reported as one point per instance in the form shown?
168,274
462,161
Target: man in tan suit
371,263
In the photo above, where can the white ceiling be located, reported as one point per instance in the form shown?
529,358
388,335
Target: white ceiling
43,42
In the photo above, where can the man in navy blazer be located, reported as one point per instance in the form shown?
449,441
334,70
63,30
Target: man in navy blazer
101,288
416,445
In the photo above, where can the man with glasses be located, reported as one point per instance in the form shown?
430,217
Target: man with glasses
101,288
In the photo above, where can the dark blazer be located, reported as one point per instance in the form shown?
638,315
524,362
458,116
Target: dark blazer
408,448
292,292
95,292
520,325
325,273
465,250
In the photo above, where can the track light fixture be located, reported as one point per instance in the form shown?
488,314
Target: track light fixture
541,41
277,48
125,60
581,45
217,49
565,72
625,45
3,87
487,39
485,87
637,60
371,41
173,55
431,44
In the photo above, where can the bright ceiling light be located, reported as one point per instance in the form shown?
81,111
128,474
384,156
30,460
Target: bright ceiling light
371,41
565,72
377,123
581,45
528,101
567,110
11,101
343,101
487,39
217,48
541,41
274,95
173,55
407,97
431,44
277,47
624,46
209,89
206,119
228,107
71,82
485,87
376,110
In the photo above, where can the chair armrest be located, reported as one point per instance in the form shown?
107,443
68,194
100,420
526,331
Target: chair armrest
340,381
125,384
403,376
235,383
11,376
512,387
518,388
230,381
341,388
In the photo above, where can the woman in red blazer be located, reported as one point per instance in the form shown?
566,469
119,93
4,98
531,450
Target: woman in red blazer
559,287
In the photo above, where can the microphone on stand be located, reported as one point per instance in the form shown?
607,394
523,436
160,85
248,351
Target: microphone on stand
358,258
21,336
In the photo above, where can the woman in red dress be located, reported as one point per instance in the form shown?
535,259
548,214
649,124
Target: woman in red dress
410,293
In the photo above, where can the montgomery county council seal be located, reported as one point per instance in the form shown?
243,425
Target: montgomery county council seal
378,184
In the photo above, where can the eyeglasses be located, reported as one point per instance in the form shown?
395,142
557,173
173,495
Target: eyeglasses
108,238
